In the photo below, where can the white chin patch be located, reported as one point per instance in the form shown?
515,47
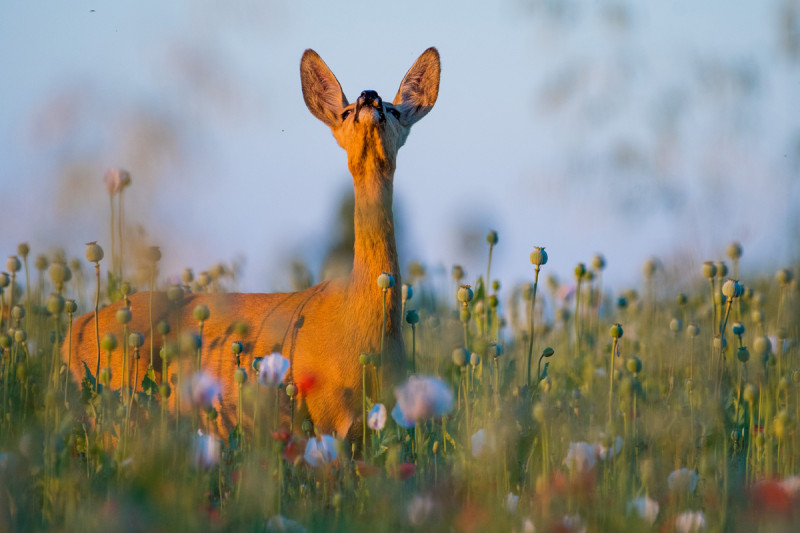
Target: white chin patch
369,114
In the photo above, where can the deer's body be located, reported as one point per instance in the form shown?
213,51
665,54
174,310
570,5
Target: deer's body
323,329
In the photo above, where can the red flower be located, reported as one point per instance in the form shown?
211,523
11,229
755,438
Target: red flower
403,472
305,383
771,496
366,470
294,448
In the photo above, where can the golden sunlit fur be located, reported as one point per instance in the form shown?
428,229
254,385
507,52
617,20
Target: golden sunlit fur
323,329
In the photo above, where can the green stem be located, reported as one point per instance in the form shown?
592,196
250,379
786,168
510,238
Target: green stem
96,322
530,334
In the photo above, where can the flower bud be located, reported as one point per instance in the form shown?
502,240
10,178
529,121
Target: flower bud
94,253
548,352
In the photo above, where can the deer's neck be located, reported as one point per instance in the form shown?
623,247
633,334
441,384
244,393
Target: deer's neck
375,248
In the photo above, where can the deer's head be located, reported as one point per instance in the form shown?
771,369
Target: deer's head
370,129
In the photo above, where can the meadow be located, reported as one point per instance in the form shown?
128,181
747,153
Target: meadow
569,407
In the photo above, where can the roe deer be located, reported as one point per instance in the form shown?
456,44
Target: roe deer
323,329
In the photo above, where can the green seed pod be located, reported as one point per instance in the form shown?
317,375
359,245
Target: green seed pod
94,253
18,312
738,328
240,375
709,269
458,273
5,280
109,342
734,250
5,341
693,330
20,335
649,268
743,354
615,331
237,347
731,289
41,262
164,391
634,365
291,390
162,327
190,342
474,359
675,325
460,356
70,306
201,313
722,269
307,426
364,358
153,254
496,285
135,339
124,315
175,293
749,394
539,412
598,262
412,317
385,281
719,342
125,288
548,352
538,256
580,270
23,249
55,304
681,299
491,238
494,350
105,376
13,264
783,277
465,294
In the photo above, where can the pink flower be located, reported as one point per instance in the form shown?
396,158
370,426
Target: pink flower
580,457
203,390
420,398
116,179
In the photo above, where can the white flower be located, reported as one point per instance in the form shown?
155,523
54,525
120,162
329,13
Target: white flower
203,390
607,453
580,457
206,450
376,418
423,397
272,370
512,500
683,480
791,485
573,523
690,522
419,509
645,508
527,527
481,441
279,524
322,451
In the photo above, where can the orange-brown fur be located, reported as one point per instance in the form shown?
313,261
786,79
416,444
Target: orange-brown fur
323,329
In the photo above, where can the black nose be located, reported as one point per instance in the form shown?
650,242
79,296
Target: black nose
370,98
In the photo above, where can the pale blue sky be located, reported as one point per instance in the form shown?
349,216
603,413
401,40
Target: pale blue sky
627,128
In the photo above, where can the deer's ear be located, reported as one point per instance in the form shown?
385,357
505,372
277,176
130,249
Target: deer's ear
321,90
420,88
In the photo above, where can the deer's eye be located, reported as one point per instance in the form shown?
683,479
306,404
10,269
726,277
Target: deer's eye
394,112
346,113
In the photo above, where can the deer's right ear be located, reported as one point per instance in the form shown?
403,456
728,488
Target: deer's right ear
321,90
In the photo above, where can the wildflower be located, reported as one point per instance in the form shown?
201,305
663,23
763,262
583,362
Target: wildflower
682,480
272,370
376,418
419,509
527,527
203,390
606,450
645,508
422,397
280,524
512,500
399,417
580,457
690,522
321,451
403,471
115,179
480,441
206,450
791,485
573,523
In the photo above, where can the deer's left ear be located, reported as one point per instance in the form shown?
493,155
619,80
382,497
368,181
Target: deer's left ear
420,88
321,90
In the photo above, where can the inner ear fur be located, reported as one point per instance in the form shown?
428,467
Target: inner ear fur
321,90
419,88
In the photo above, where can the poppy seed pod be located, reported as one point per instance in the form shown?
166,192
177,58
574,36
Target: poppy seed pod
201,313
94,253
5,279
236,347
163,327
709,269
55,304
412,317
187,276
474,359
124,315
41,262
291,390
548,352
538,256
13,264
491,238
615,331
649,268
675,325
460,356
634,365
70,306
693,330
783,276
738,328
722,269
20,335
240,375
23,249
135,339
153,254
109,342
175,293
731,289
364,358
580,270
734,250
17,312
598,262
743,354
408,291
465,294
385,281
458,273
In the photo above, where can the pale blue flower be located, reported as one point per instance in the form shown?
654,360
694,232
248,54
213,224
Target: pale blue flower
272,370
321,451
376,418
